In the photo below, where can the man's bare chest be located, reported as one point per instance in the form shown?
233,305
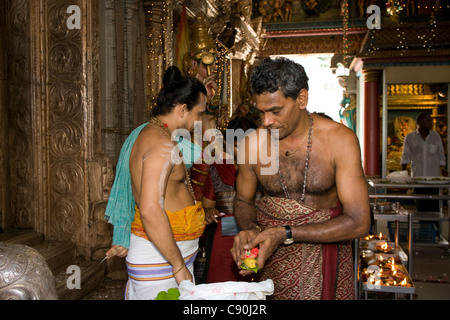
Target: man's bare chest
320,178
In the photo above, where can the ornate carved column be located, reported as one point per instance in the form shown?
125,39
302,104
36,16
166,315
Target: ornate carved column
372,122
4,123
71,89
20,158
160,44
55,112
123,66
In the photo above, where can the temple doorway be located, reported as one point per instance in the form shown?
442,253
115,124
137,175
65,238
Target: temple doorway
325,92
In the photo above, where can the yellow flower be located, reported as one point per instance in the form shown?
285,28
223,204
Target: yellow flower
250,263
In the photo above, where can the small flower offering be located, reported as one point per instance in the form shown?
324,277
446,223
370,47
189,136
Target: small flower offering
250,261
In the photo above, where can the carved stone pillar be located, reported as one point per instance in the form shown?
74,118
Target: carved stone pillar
20,158
54,110
123,66
160,44
372,151
4,123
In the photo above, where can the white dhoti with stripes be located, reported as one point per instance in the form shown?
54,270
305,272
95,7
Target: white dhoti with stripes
149,273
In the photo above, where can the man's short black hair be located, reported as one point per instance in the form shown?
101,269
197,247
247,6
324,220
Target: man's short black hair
279,74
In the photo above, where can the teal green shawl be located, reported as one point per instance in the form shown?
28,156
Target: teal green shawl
120,208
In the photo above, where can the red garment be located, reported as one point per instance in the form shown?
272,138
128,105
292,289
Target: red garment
227,173
222,267
208,189
221,264
199,173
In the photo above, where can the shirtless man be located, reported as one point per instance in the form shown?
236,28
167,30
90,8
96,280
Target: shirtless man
162,247
300,221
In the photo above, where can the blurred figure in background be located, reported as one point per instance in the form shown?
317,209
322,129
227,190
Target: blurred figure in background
218,197
424,150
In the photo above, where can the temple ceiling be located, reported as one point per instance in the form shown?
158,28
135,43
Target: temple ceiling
274,27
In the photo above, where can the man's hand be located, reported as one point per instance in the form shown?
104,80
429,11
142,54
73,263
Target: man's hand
181,274
212,215
117,250
240,241
211,81
267,240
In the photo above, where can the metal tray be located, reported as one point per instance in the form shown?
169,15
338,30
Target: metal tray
399,255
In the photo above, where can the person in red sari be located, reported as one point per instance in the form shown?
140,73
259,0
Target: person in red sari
218,197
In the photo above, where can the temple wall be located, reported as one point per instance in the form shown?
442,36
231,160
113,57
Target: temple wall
58,174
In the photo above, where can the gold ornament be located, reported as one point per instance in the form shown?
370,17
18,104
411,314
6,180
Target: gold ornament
201,40
202,45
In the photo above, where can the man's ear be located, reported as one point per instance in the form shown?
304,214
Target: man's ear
181,110
302,99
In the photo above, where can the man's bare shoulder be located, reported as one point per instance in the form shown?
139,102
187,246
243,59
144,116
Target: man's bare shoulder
336,133
341,143
155,141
